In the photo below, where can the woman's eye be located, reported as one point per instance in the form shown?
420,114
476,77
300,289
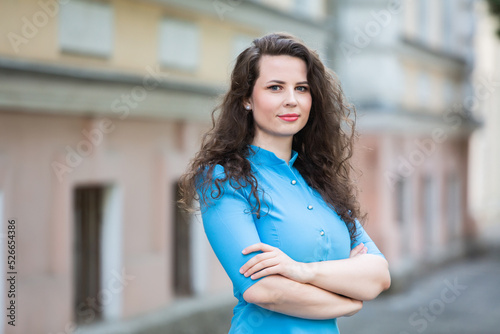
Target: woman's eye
302,89
274,87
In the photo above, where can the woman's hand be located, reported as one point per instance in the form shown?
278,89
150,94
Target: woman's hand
273,261
358,250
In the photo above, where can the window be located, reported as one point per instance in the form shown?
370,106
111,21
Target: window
403,213
88,216
449,92
423,20
179,44
86,27
423,86
308,8
400,207
447,28
430,208
453,207
182,249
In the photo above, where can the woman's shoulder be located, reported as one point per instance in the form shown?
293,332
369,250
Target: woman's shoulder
213,172
215,181
219,171
216,174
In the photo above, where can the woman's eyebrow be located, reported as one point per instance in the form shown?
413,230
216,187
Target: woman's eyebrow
282,82
276,81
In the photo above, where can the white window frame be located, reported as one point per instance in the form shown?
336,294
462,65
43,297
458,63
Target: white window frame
86,27
111,246
424,89
179,44
200,250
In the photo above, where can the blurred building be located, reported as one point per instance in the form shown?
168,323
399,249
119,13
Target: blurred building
407,66
102,104
485,144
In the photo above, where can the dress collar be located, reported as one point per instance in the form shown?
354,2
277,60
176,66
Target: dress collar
261,156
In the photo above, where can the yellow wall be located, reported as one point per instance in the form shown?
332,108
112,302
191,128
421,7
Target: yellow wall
135,39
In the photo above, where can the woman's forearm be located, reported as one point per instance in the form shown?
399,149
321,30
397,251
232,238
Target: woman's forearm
361,277
283,295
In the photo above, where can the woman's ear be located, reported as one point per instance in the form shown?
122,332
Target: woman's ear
247,104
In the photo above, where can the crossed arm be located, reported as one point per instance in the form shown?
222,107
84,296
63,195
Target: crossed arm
318,290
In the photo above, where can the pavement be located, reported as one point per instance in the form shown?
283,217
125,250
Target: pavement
462,297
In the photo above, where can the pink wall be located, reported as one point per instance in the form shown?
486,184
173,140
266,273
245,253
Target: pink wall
140,158
381,157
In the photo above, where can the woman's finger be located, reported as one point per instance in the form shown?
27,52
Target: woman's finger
258,247
256,259
357,250
261,265
266,272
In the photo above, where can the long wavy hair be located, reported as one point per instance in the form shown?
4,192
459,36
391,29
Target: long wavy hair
324,145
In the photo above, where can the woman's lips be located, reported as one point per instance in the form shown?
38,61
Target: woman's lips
289,117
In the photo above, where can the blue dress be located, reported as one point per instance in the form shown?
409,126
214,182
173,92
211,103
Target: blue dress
294,218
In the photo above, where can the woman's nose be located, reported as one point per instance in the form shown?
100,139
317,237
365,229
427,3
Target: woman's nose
290,100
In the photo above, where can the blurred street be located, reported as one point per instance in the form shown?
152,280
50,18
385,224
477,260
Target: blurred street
461,298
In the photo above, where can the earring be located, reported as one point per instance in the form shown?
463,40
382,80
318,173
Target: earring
247,107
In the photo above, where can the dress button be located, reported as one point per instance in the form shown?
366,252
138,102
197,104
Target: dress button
310,207
322,233
294,182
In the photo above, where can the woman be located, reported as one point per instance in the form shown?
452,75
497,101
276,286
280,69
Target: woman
277,204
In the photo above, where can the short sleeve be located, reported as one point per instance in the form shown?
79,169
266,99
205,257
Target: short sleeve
363,237
230,228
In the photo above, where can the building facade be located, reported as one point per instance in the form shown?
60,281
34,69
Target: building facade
406,65
485,144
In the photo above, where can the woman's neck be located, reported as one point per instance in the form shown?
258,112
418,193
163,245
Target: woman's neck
282,147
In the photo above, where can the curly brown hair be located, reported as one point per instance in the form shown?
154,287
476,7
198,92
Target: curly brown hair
324,145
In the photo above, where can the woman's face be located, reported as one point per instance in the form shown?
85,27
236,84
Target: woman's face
281,100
